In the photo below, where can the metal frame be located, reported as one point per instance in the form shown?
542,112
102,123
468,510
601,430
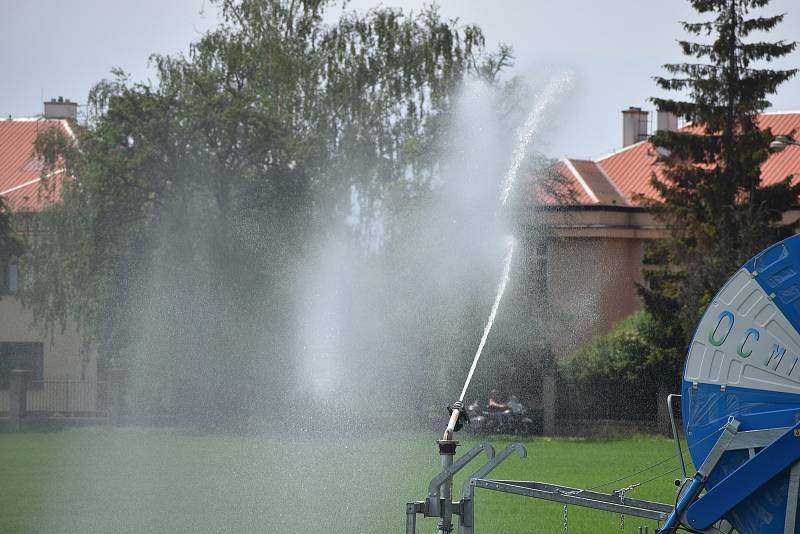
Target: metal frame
609,502
675,436
439,504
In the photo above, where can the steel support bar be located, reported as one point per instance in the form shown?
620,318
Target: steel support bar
656,513
594,495
466,520
745,480
754,439
412,509
445,476
698,482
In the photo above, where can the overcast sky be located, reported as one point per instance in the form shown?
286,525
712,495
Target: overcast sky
52,48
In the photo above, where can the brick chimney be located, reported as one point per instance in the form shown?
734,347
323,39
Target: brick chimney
61,108
666,121
634,125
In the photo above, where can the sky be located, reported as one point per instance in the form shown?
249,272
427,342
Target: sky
611,48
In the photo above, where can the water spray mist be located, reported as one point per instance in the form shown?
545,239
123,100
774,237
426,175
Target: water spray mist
447,445
553,89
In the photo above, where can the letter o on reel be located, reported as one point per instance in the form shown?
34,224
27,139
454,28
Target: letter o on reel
719,333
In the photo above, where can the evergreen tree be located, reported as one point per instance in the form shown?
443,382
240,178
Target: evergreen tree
711,192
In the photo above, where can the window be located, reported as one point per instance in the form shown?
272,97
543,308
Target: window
29,356
537,268
9,278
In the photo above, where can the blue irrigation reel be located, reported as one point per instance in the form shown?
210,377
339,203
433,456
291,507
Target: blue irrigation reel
741,419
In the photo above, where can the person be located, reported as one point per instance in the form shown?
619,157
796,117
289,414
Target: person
515,405
493,404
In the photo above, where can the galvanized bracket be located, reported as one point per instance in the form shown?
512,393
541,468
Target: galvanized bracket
433,502
467,517
469,484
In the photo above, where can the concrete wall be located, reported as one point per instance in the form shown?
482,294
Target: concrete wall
591,285
64,356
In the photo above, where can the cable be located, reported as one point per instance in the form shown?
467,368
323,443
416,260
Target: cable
645,469
659,476
661,462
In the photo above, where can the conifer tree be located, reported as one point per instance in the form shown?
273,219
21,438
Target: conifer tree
711,190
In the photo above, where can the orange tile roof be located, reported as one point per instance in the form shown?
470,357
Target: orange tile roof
564,189
580,182
20,171
632,167
631,170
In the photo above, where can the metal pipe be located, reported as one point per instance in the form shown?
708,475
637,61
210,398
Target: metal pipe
451,424
675,436
447,450
411,519
694,489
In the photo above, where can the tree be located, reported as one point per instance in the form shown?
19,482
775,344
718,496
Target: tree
179,244
711,193
10,245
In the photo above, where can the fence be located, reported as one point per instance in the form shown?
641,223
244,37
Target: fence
61,398
68,398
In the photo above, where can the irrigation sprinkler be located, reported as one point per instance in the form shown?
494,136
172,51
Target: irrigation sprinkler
740,404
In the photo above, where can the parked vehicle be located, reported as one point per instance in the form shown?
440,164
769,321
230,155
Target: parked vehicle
514,419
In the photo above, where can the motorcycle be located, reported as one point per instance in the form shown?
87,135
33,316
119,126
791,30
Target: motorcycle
514,419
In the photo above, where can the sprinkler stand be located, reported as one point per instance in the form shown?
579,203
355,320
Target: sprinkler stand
447,450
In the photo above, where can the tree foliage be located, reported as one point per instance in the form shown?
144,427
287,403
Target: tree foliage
712,193
178,246
10,245
628,351
615,374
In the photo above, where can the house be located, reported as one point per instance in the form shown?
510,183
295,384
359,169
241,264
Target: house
57,360
595,241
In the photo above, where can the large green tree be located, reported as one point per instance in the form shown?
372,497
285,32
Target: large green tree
711,192
179,245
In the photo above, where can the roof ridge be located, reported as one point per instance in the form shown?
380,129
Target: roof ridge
788,112
613,184
619,150
31,182
22,119
580,179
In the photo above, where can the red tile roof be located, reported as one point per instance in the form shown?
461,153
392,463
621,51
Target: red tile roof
564,189
632,167
20,171
620,177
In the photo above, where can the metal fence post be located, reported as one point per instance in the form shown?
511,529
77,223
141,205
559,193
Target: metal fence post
549,399
18,398
116,395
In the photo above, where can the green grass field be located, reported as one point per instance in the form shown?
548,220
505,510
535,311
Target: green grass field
151,481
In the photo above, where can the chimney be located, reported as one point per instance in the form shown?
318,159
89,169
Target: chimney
634,125
60,108
666,121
